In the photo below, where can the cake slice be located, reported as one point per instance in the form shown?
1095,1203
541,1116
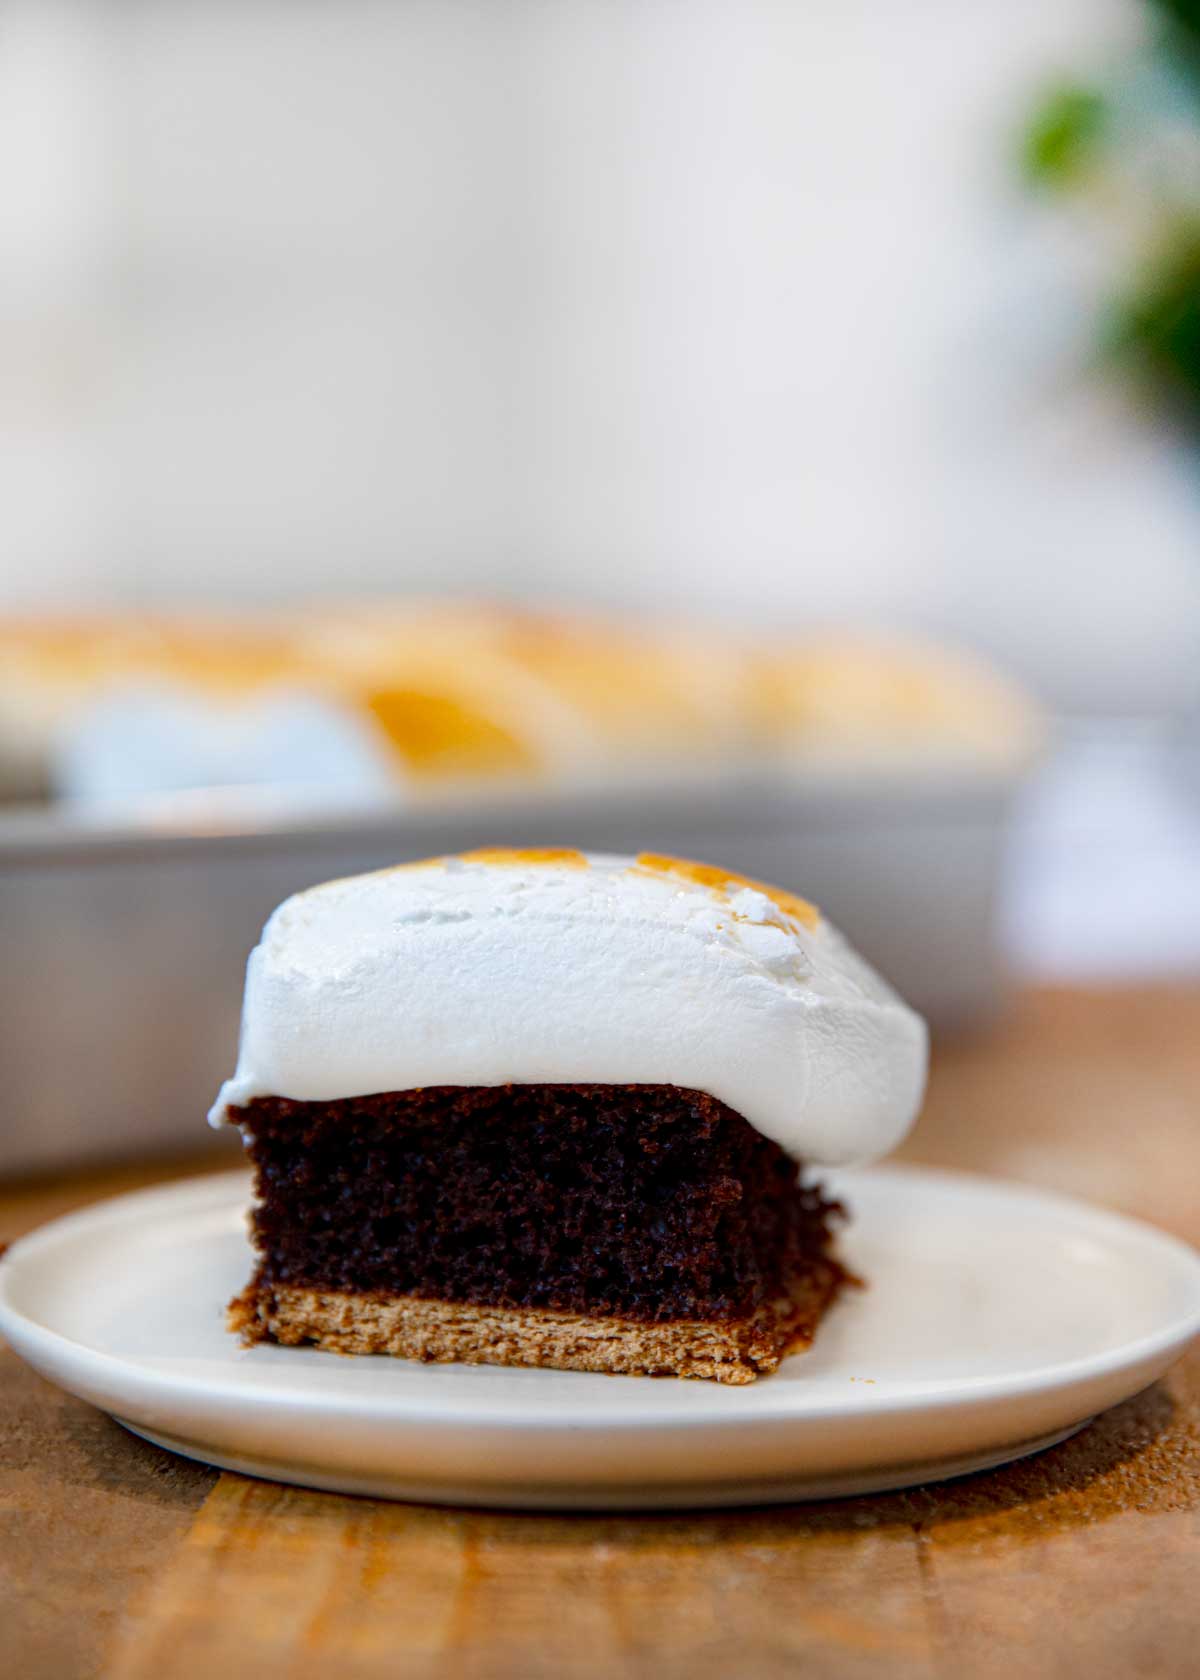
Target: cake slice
540,1108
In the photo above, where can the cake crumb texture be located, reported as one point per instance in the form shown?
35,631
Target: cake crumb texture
628,1202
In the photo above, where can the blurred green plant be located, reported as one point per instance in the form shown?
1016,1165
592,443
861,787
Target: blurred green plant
1129,150
1063,134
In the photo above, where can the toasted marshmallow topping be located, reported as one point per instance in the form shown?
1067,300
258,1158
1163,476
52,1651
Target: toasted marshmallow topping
551,967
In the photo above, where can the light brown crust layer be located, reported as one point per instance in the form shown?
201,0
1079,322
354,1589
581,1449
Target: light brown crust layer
412,1327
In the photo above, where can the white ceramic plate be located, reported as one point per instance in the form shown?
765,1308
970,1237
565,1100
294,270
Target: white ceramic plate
997,1321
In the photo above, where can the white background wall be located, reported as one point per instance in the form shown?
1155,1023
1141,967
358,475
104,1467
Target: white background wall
733,302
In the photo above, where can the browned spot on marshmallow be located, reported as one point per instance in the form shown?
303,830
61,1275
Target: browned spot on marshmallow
565,855
719,881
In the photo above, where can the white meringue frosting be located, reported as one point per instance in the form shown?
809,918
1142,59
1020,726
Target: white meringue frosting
530,967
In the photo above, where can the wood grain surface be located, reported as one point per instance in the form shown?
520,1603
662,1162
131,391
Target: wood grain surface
119,1560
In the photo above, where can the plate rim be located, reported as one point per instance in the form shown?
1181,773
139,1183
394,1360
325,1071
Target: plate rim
783,1487
26,1332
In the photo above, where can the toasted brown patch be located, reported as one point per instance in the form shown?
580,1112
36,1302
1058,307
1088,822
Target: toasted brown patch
720,880
529,854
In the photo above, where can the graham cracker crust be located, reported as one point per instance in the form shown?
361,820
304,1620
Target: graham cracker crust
415,1327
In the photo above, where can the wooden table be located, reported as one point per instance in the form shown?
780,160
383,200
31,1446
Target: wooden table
119,1560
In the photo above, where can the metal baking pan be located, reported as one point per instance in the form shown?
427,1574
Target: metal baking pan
123,948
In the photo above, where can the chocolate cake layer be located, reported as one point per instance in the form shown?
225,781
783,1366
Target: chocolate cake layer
642,1202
